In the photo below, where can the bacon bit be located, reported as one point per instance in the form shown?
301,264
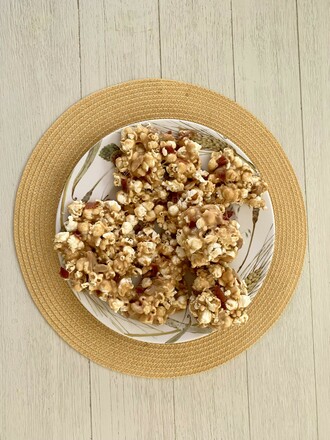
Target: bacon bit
154,270
139,290
77,234
64,273
192,224
221,173
169,149
219,293
222,161
91,205
124,184
240,243
222,176
228,214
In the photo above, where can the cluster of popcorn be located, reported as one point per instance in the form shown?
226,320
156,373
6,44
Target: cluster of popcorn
170,218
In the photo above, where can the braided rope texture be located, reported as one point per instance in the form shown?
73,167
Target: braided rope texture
50,164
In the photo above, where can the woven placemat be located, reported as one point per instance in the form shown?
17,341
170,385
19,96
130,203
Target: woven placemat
74,132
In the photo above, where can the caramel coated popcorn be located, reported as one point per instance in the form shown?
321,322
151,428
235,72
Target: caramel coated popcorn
170,217
220,297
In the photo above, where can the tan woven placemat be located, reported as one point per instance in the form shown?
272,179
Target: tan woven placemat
42,182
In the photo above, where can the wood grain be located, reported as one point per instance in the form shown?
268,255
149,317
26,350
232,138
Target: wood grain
280,366
44,383
272,57
314,43
196,43
129,408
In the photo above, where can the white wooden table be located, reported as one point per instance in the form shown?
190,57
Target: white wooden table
272,56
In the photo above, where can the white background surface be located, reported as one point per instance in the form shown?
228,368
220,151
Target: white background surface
272,56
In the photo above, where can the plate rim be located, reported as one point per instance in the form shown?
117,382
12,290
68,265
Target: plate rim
81,296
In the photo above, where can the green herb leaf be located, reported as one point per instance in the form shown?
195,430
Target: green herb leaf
109,151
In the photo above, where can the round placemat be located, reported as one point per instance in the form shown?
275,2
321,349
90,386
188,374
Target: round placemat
47,170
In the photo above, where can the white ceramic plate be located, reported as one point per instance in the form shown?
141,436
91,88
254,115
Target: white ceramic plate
92,178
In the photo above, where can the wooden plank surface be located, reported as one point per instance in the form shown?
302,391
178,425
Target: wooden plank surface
314,44
272,57
44,384
280,366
